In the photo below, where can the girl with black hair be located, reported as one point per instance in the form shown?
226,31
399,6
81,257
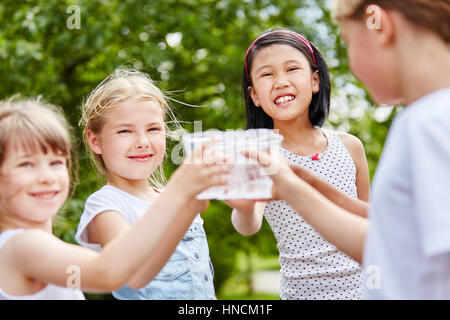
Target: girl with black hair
400,49
286,87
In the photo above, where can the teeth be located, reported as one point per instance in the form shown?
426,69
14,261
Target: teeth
284,99
45,196
141,156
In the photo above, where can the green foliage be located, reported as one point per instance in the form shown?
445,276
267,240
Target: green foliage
225,244
193,49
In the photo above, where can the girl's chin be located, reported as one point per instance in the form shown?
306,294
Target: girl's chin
131,174
137,176
287,114
41,216
285,118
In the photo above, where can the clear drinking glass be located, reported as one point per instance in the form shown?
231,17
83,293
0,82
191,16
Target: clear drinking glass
246,180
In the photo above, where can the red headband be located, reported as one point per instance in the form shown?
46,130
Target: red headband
301,38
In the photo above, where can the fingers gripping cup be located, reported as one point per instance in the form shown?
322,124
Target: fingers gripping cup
246,180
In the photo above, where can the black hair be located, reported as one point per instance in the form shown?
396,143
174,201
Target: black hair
320,102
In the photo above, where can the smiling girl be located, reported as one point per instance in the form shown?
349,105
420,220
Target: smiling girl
405,246
125,130
35,149
286,87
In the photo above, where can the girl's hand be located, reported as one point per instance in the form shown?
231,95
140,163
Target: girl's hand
303,173
199,171
276,167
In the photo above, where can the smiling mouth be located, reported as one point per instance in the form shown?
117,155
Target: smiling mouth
141,157
44,195
284,100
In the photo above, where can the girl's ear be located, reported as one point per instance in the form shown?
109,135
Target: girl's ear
254,96
382,23
93,142
315,82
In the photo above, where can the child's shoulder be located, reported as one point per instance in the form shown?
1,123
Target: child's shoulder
107,198
353,145
27,244
349,139
20,248
29,236
106,192
110,198
351,142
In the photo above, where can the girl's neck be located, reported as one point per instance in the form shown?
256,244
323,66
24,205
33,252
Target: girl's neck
11,222
301,138
138,188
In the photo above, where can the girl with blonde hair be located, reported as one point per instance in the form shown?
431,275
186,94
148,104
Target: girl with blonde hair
125,128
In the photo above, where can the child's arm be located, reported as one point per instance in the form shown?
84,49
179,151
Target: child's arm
356,149
345,230
332,193
40,256
110,224
247,215
43,257
173,236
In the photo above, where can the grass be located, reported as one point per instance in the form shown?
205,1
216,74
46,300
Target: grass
238,286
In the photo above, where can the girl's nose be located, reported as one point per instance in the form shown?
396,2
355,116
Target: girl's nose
46,175
281,81
142,141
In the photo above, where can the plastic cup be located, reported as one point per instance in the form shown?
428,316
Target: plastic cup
247,179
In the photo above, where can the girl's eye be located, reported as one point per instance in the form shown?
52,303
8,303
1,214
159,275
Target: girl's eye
293,68
26,164
123,131
267,74
154,129
57,163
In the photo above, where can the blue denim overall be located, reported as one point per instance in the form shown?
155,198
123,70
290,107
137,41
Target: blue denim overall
188,275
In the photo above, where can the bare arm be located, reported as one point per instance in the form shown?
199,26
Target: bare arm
332,193
247,216
108,225
105,271
42,257
356,149
343,228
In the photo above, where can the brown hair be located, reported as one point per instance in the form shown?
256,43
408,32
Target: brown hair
36,125
433,15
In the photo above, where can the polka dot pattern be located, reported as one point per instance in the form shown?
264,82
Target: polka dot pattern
311,267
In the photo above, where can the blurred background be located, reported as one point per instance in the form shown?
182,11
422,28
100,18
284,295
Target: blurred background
194,50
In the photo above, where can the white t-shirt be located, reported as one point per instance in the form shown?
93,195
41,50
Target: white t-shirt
110,198
407,251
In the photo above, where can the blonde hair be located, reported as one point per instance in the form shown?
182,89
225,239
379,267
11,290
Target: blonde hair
432,15
35,125
122,85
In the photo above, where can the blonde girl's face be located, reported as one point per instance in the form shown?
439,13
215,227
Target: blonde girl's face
132,141
33,185
283,83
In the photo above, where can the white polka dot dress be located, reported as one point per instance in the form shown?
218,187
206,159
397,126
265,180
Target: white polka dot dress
311,267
